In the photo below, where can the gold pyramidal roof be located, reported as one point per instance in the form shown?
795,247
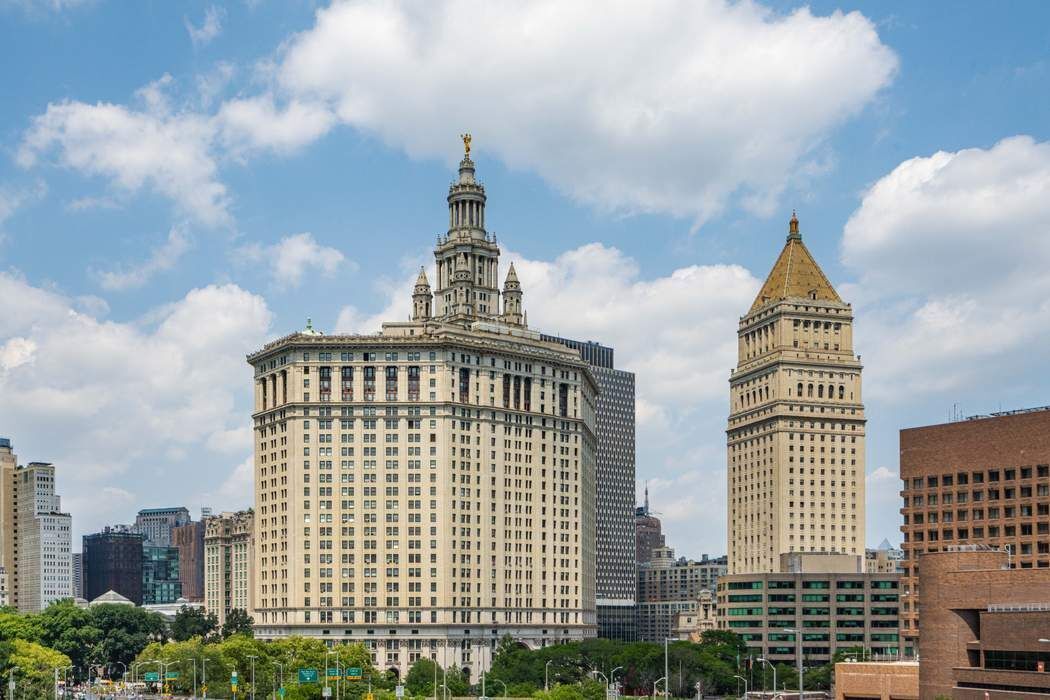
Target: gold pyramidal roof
795,275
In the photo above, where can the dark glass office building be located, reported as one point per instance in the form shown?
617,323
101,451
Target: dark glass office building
113,562
616,581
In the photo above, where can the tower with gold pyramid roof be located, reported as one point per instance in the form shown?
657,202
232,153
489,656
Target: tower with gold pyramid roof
795,439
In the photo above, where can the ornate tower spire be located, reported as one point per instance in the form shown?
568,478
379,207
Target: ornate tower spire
512,306
467,256
421,298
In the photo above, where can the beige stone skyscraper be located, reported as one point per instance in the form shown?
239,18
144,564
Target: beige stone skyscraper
229,558
430,488
796,421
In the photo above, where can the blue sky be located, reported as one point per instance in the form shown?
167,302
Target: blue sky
181,181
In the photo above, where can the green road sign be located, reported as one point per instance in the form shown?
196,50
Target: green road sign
308,675
353,673
333,673
151,676
171,676
280,691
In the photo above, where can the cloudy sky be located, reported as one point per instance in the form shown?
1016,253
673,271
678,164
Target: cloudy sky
180,182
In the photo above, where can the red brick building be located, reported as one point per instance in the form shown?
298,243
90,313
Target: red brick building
984,627
984,480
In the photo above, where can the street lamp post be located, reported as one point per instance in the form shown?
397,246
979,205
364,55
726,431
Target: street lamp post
657,682
767,663
280,676
253,658
339,665
204,676
798,660
11,682
546,678
497,680
612,675
164,671
667,675
745,684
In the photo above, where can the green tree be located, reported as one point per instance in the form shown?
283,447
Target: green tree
36,667
238,621
420,677
193,622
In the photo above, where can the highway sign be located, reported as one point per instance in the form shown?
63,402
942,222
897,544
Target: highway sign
333,672
308,675
151,676
171,675
354,673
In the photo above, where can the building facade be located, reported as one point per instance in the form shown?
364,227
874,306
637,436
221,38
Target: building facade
113,562
43,560
431,488
614,490
229,556
157,524
986,481
648,532
831,611
884,560
691,625
669,587
35,535
189,539
78,575
796,423
984,626
161,583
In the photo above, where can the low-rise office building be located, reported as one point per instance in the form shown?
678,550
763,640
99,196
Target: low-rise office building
984,626
826,600
980,481
877,680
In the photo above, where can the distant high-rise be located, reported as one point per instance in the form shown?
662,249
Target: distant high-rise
648,532
796,421
78,574
43,559
156,524
160,575
189,539
229,549
614,490
35,535
113,562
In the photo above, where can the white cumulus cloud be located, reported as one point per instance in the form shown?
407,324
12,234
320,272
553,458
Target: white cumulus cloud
162,399
257,123
161,259
681,106
152,149
951,251
209,29
292,257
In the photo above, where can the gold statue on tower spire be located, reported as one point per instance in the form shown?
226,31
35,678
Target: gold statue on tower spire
466,144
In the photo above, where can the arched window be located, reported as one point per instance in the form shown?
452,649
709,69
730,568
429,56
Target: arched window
842,392
809,390
820,391
800,389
